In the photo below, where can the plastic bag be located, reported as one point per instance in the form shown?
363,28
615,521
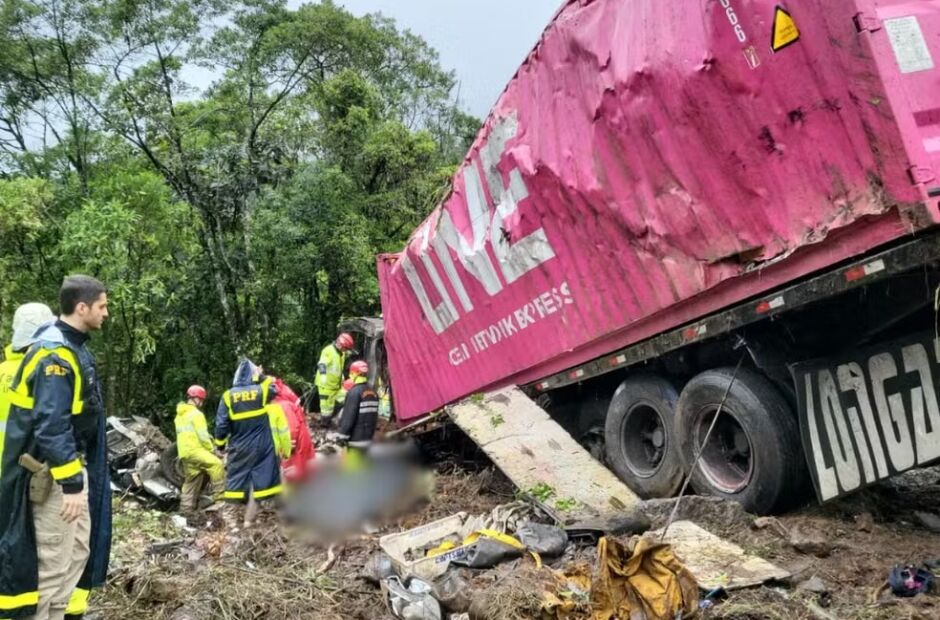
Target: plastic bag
486,553
412,603
546,540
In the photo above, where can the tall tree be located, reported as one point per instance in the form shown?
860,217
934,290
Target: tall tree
45,85
241,218
259,120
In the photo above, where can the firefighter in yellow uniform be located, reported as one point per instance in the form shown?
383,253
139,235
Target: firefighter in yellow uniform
330,369
202,469
26,320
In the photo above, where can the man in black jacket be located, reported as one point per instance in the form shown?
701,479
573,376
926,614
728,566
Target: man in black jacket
360,411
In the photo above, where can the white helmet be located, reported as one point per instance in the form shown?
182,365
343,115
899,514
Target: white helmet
26,320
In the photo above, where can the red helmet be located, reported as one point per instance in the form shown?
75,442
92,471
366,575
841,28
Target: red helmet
196,391
359,368
345,342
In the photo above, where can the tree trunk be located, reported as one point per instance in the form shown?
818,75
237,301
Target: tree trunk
218,280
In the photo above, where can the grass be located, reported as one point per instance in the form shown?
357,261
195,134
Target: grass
566,504
133,529
542,492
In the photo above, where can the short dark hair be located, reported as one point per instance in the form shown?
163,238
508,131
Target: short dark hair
79,289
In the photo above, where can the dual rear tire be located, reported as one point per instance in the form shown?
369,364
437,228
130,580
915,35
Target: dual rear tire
640,436
753,455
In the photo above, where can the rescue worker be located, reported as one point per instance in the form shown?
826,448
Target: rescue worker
202,469
330,371
295,467
385,399
243,428
280,430
360,415
55,526
26,320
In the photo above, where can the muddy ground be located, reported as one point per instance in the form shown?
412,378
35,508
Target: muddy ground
161,571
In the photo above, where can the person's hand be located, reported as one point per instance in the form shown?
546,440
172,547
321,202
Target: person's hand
73,506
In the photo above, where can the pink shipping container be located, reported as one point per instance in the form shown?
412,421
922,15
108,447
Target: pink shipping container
663,184
659,174
654,162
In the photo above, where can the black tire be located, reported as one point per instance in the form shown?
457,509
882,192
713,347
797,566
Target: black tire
640,438
170,466
754,414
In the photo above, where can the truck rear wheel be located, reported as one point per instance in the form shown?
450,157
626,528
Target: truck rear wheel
753,455
640,438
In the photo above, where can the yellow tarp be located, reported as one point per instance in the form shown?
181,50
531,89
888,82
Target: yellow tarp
639,580
642,576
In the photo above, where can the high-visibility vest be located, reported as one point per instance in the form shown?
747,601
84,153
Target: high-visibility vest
330,371
21,397
258,404
8,370
280,430
192,432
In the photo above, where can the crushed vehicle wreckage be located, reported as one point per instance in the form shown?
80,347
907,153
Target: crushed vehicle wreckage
143,461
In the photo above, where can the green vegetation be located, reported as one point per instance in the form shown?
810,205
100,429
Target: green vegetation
542,492
566,504
238,219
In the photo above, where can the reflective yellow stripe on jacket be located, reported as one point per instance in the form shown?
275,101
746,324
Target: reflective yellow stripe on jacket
12,603
275,490
68,470
244,415
331,381
8,368
20,396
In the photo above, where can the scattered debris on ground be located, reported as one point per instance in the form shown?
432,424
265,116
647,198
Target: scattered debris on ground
143,462
831,561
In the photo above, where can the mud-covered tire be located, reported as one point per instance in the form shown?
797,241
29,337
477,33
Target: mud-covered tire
170,466
754,455
639,436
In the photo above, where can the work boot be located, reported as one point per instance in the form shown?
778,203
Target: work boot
230,517
216,489
189,498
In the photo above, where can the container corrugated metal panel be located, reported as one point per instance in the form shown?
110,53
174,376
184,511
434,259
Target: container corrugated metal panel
654,161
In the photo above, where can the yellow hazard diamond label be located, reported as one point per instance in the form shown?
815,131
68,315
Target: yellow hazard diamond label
785,31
